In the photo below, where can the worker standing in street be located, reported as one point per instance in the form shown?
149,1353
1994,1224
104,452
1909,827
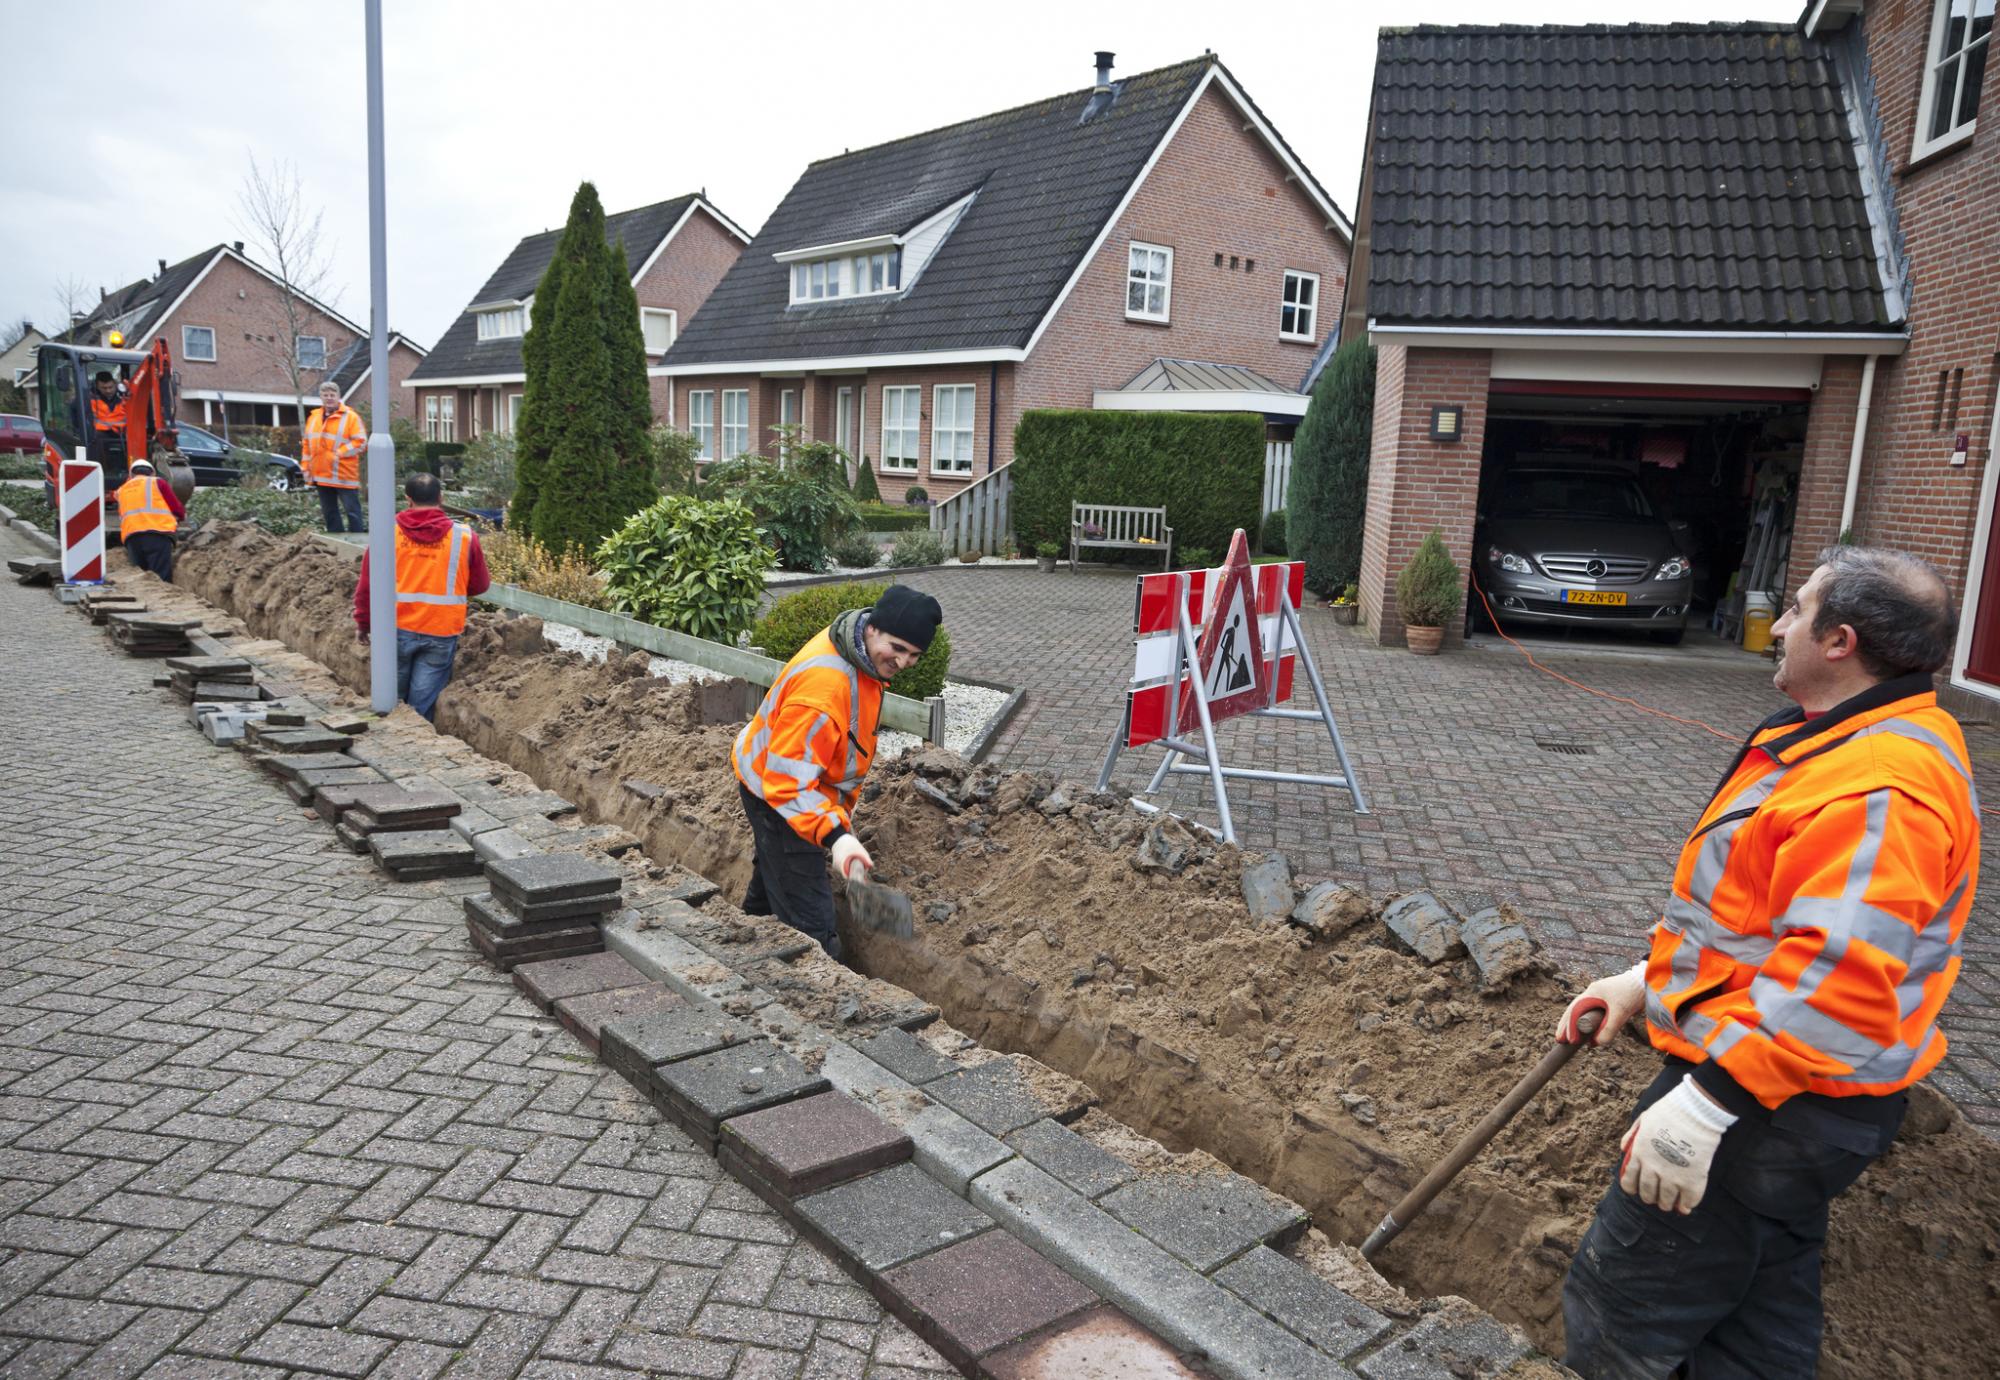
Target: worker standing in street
439,566
1794,985
149,512
800,759
330,454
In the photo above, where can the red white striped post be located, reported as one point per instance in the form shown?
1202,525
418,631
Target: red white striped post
80,502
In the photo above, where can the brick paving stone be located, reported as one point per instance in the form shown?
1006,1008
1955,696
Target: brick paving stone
584,1015
992,1096
703,1092
979,1295
1084,1166
289,1123
814,1143
547,877
547,983
1289,1294
1102,1342
1206,1219
889,1217
906,1056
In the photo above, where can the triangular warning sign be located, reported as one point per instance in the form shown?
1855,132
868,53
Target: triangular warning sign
1233,670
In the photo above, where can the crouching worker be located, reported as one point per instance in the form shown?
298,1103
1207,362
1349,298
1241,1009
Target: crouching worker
1812,934
439,566
800,759
148,515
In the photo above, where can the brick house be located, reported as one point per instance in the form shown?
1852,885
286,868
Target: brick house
1753,262
1150,242
472,381
223,317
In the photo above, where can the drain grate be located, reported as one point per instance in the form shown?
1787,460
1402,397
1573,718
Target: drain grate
1566,749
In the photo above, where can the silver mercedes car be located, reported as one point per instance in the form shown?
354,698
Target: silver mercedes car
1580,545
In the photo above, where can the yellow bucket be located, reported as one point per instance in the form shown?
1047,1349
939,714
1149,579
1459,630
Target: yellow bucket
1757,616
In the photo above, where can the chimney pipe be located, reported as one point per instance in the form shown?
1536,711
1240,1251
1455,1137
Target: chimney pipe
163,265
237,246
1104,70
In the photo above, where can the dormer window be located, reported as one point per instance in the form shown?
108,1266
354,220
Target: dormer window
877,272
877,266
505,322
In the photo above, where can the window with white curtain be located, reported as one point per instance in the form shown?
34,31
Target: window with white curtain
441,417
504,324
1298,314
1954,70
902,428
735,422
701,421
951,428
858,275
1149,282
198,343
312,351
658,325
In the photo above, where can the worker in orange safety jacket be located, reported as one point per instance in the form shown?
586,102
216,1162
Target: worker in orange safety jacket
107,422
800,759
149,512
330,454
439,567
1794,985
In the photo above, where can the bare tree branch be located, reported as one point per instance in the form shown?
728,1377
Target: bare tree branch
14,332
73,298
284,237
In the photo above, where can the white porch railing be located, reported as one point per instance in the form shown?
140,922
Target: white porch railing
979,517
1277,475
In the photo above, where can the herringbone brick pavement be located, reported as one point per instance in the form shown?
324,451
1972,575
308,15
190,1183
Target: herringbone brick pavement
263,1114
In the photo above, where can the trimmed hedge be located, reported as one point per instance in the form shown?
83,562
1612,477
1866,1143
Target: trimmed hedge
1276,534
795,619
892,517
1205,469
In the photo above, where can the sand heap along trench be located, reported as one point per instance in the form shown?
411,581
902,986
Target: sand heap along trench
1334,1067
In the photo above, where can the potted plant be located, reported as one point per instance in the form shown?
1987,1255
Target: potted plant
1347,604
1427,595
1045,556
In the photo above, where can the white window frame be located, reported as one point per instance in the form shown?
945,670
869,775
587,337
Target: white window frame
953,408
843,425
506,323
1309,310
448,418
298,348
905,403
673,327
735,433
1925,145
513,413
847,275
1166,283
187,349
701,421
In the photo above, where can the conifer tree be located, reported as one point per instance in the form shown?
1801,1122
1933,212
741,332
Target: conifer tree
1329,493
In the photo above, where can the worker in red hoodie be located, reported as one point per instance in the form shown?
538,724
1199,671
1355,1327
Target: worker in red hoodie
439,566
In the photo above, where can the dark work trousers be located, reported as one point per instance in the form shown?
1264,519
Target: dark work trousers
334,501
152,551
1730,1291
790,881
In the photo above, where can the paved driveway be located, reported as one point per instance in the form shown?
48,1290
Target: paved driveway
1467,798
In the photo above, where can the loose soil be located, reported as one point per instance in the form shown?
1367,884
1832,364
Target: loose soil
1334,1070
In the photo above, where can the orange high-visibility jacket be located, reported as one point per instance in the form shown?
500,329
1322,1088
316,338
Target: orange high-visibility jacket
807,747
141,509
1815,923
332,450
431,583
107,416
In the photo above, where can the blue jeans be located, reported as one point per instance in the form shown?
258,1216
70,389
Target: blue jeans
333,502
423,667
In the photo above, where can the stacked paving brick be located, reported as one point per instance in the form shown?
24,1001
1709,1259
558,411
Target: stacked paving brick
35,570
542,908
151,634
212,679
100,604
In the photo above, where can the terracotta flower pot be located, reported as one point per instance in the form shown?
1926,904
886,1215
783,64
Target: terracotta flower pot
1424,641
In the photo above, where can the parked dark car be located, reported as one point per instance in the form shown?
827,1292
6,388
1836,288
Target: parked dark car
19,435
218,462
1581,545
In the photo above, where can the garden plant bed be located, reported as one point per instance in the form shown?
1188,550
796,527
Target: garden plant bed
1068,927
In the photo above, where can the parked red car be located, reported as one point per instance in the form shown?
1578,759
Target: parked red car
19,435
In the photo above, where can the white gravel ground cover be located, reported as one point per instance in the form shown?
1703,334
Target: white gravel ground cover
967,708
785,577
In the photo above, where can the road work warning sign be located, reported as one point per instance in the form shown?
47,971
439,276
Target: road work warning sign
1232,664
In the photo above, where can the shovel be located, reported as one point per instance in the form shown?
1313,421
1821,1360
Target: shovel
1447,1169
876,907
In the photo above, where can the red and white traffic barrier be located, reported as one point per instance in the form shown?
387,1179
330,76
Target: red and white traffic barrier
80,502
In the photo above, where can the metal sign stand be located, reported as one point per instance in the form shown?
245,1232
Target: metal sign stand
1187,661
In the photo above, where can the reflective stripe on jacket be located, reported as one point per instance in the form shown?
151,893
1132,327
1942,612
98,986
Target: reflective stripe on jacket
331,454
107,416
431,580
1814,928
142,509
807,747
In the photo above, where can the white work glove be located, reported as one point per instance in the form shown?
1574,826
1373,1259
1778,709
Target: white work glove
1620,997
1670,1147
847,852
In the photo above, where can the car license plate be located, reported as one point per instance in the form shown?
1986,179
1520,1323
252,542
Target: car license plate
1594,596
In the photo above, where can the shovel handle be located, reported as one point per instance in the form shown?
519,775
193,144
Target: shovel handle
1475,1140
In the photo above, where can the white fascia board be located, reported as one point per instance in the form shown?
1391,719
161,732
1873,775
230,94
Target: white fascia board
322,308
500,304
398,338
1771,369
1154,400
1720,342
1305,180
168,315
232,395
467,381
697,204
1828,16
836,249
916,359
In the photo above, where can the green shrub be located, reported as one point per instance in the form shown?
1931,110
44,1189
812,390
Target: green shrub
1329,492
29,505
1273,542
1205,469
20,467
1193,558
892,517
513,559
1047,550
795,619
804,505
865,488
1429,587
915,495
279,514
486,470
917,548
673,455
434,451
857,551
693,565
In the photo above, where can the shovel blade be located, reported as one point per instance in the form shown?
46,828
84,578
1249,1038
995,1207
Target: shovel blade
876,907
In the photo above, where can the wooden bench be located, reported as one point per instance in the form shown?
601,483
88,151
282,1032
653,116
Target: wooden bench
1120,528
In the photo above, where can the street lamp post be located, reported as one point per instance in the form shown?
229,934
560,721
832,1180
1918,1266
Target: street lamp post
381,445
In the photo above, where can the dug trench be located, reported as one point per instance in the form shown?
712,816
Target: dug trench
1332,1065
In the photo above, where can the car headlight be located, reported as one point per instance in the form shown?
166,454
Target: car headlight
1507,560
1673,568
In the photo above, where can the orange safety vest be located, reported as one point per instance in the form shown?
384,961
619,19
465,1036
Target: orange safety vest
108,416
332,450
1815,923
431,583
141,509
807,747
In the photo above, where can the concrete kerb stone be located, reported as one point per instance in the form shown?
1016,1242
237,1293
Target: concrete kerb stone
1089,1169
1426,926
1268,890
906,1056
1288,1293
668,958
944,1144
1449,1344
1206,1219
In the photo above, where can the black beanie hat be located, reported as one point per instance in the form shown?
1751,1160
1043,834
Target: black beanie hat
906,613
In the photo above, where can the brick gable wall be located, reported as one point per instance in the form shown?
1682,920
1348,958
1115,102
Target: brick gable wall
240,303
681,279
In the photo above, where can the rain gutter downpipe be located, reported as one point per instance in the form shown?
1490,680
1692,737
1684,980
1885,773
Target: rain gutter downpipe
1854,449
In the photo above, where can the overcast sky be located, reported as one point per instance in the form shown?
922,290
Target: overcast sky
496,110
